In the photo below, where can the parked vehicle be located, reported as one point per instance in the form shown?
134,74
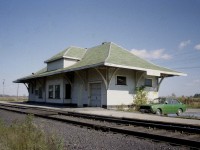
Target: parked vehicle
163,106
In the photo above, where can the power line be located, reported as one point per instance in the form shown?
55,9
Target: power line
3,86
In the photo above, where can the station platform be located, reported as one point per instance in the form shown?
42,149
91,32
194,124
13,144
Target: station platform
115,113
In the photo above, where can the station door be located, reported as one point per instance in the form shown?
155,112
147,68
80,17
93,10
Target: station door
95,94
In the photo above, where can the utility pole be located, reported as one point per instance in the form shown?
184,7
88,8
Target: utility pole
3,86
17,89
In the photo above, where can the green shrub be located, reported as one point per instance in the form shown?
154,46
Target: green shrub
121,107
26,136
140,97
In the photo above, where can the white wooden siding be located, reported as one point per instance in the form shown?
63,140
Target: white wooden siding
55,65
121,94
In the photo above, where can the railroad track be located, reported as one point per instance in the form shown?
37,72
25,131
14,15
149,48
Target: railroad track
178,134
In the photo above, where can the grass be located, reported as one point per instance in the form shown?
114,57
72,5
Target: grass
132,108
191,102
13,99
25,135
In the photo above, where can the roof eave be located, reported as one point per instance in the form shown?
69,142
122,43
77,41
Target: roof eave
73,58
147,70
23,80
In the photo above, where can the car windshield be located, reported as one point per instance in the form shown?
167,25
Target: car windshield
158,101
165,101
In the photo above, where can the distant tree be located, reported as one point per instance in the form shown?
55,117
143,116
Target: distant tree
196,95
173,95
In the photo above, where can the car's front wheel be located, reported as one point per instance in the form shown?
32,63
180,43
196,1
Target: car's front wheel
179,112
158,112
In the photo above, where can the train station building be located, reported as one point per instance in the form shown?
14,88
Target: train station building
102,76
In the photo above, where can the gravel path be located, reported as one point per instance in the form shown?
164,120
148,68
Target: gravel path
76,137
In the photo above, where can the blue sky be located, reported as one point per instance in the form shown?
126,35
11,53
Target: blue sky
162,31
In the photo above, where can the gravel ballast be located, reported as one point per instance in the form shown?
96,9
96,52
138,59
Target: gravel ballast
76,137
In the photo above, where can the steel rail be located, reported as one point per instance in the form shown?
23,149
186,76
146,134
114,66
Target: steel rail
174,140
130,121
139,122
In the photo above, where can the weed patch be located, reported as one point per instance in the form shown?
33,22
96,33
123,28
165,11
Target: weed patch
25,135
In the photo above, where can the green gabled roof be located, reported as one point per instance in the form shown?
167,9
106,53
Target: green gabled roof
71,52
41,71
94,56
107,54
122,57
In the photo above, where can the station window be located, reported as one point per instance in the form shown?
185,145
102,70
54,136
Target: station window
50,91
57,91
121,80
40,92
148,82
36,92
67,91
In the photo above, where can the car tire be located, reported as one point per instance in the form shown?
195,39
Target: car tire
179,112
158,112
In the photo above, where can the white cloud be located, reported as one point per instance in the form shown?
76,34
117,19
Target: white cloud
197,47
154,54
183,44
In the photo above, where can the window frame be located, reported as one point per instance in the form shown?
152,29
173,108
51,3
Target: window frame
148,85
52,89
121,83
57,91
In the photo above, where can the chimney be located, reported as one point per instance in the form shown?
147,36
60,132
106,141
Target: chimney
104,43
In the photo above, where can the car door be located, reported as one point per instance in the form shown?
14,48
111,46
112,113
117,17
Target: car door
168,106
176,105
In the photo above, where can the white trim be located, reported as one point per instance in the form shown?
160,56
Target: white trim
99,64
143,69
55,59
73,58
61,71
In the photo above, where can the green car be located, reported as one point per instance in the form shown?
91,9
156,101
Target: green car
164,106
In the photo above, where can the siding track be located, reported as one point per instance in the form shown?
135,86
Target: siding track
178,134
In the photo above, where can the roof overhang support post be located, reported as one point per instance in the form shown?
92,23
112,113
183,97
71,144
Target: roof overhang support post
108,76
68,80
112,75
27,86
138,77
103,78
159,82
40,82
82,79
32,83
